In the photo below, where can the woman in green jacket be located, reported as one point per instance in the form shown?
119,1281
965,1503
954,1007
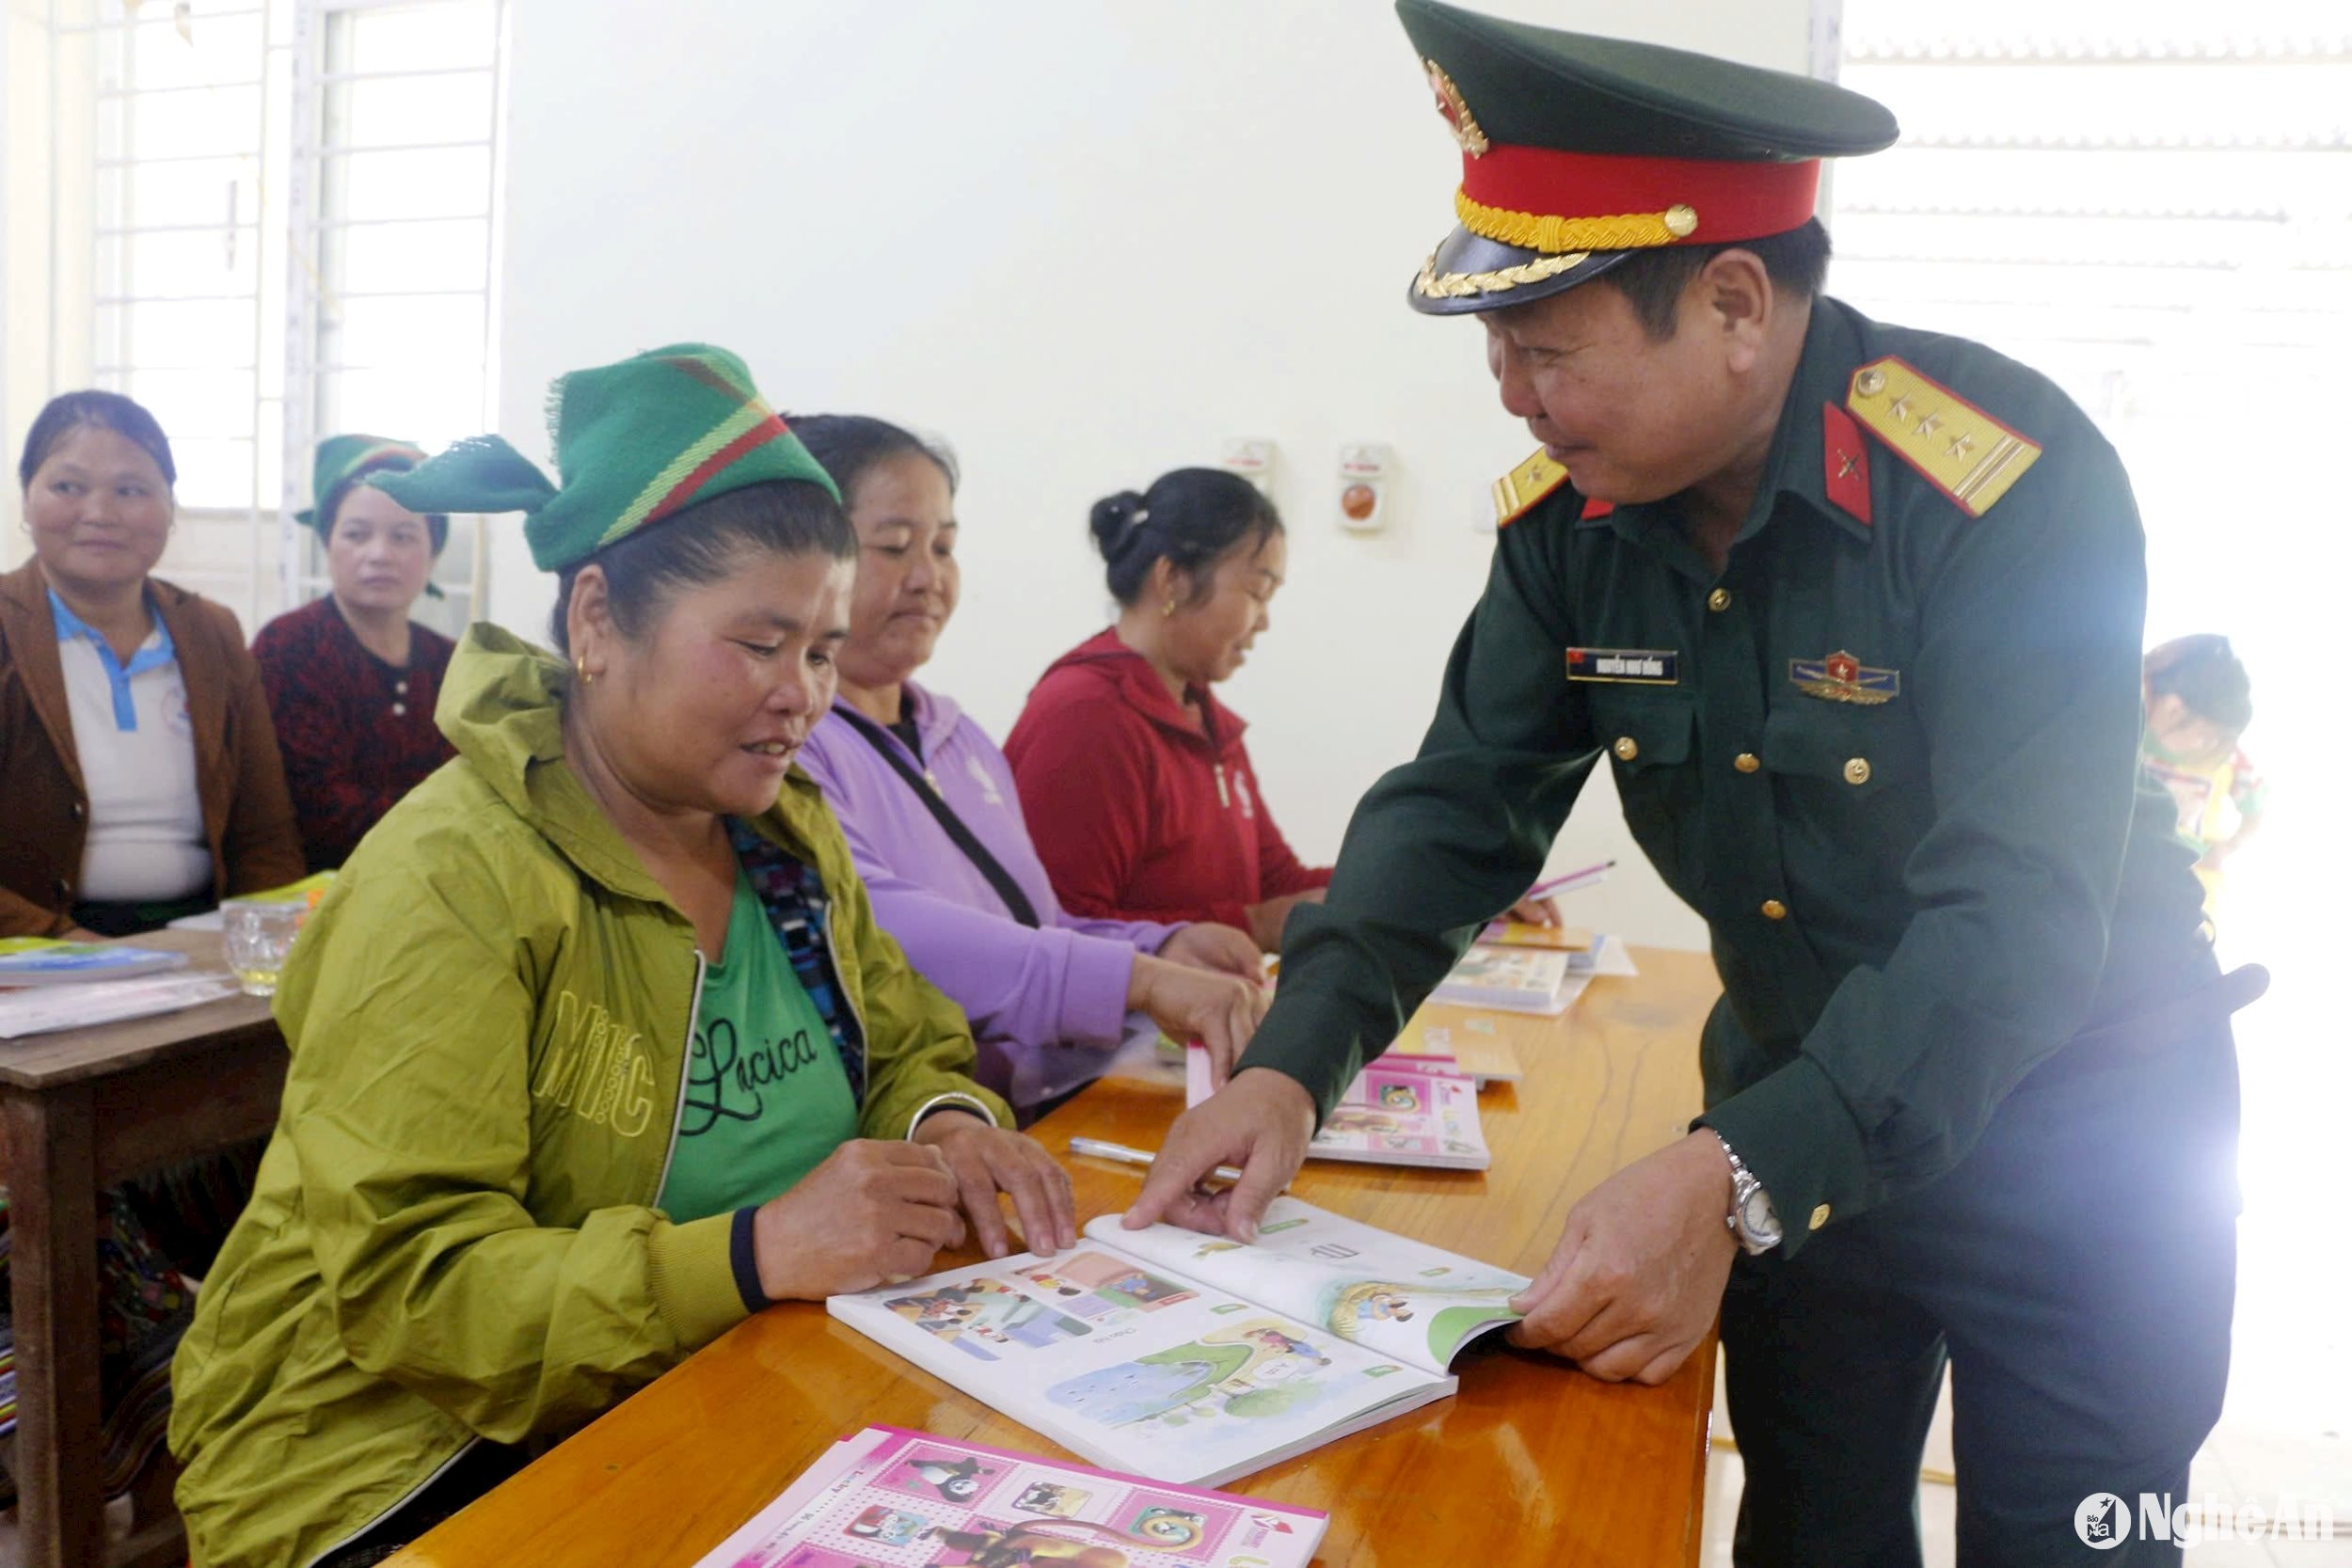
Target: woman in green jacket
596,1045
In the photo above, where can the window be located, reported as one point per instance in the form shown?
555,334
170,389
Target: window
289,231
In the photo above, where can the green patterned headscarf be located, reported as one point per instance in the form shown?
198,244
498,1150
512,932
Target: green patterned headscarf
634,443
343,458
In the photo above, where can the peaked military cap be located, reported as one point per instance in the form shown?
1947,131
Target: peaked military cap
1579,152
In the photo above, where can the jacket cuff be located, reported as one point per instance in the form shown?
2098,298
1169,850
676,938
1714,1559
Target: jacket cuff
690,1271
1323,1072
743,1257
1094,990
957,1101
1791,1128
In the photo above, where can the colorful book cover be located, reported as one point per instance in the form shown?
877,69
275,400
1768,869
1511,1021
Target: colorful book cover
888,1497
1556,938
49,961
1400,1111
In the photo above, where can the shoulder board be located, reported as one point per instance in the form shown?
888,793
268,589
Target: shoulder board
1960,448
1523,486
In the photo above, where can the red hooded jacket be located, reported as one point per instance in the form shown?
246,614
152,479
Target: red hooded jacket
1143,809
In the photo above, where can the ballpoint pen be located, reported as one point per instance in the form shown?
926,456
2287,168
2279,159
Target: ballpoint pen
1125,1156
1593,873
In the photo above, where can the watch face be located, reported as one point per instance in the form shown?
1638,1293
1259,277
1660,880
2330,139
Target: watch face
1756,1217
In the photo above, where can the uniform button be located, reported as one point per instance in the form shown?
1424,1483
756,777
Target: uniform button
399,708
1719,600
1857,770
1818,1218
1625,749
401,687
1747,762
1775,910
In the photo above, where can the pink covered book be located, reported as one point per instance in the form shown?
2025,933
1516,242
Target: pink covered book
887,1498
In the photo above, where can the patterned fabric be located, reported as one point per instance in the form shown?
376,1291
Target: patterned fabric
634,443
794,897
144,1305
356,734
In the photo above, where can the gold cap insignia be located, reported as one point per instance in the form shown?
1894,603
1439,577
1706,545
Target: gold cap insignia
1458,115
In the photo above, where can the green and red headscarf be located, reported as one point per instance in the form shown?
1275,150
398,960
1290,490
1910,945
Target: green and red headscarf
635,442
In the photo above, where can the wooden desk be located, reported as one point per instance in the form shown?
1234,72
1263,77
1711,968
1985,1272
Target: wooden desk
1531,1462
79,1110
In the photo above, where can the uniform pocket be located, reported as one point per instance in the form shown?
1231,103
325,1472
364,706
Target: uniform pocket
1646,733
1855,750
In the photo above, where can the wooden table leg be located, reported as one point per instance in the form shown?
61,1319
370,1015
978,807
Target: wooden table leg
52,1176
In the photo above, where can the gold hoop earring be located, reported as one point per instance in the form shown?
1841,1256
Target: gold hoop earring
1169,609
581,665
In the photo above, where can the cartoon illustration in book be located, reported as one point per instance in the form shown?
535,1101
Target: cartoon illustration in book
1282,1344
1355,1118
887,1526
1122,1284
987,1545
958,1479
1400,1143
1210,1249
986,1312
1400,1096
1350,1307
1051,1498
1232,1372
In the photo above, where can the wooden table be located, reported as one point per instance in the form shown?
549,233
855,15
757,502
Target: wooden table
78,1110
1531,1462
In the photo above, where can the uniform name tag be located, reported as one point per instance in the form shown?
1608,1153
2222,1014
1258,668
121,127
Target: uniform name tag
1637,666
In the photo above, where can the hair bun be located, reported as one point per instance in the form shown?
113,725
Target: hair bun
1115,519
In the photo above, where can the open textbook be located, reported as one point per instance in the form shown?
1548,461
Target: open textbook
886,1498
1193,1358
1400,1111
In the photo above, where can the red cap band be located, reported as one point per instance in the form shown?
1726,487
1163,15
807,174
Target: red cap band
1734,199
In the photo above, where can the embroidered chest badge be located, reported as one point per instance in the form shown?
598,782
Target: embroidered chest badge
1629,666
1843,679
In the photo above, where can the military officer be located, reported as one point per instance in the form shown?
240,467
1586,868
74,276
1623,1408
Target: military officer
1853,614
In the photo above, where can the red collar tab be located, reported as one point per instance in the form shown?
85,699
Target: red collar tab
1844,463
1697,200
1596,509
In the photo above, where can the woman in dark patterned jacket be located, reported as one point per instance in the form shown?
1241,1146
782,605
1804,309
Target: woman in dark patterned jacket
351,679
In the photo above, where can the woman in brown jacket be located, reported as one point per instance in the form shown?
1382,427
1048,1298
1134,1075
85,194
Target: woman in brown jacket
136,758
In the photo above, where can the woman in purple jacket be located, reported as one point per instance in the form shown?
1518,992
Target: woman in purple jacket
928,804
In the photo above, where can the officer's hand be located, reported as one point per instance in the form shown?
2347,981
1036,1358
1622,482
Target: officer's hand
1533,911
1638,1276
1260,1121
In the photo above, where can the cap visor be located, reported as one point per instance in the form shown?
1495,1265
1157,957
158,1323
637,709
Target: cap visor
1470,273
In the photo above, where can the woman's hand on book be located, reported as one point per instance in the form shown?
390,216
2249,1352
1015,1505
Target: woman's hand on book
1638,1276
1221,1011
986,1160
872,1212
1260,1121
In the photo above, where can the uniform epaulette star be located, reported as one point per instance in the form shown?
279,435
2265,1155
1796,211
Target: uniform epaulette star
1960,448
1526,485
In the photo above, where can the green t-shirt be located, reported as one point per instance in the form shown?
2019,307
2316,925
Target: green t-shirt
767,1097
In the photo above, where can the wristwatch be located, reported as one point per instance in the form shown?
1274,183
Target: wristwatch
1752,1219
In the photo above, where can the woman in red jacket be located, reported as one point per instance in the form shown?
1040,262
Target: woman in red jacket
1138,788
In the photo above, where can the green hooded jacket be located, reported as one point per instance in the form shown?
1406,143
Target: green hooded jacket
453,1235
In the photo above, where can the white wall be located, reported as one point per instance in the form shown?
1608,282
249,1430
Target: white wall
1085,241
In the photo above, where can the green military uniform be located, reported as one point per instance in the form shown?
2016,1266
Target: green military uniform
1971,1040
